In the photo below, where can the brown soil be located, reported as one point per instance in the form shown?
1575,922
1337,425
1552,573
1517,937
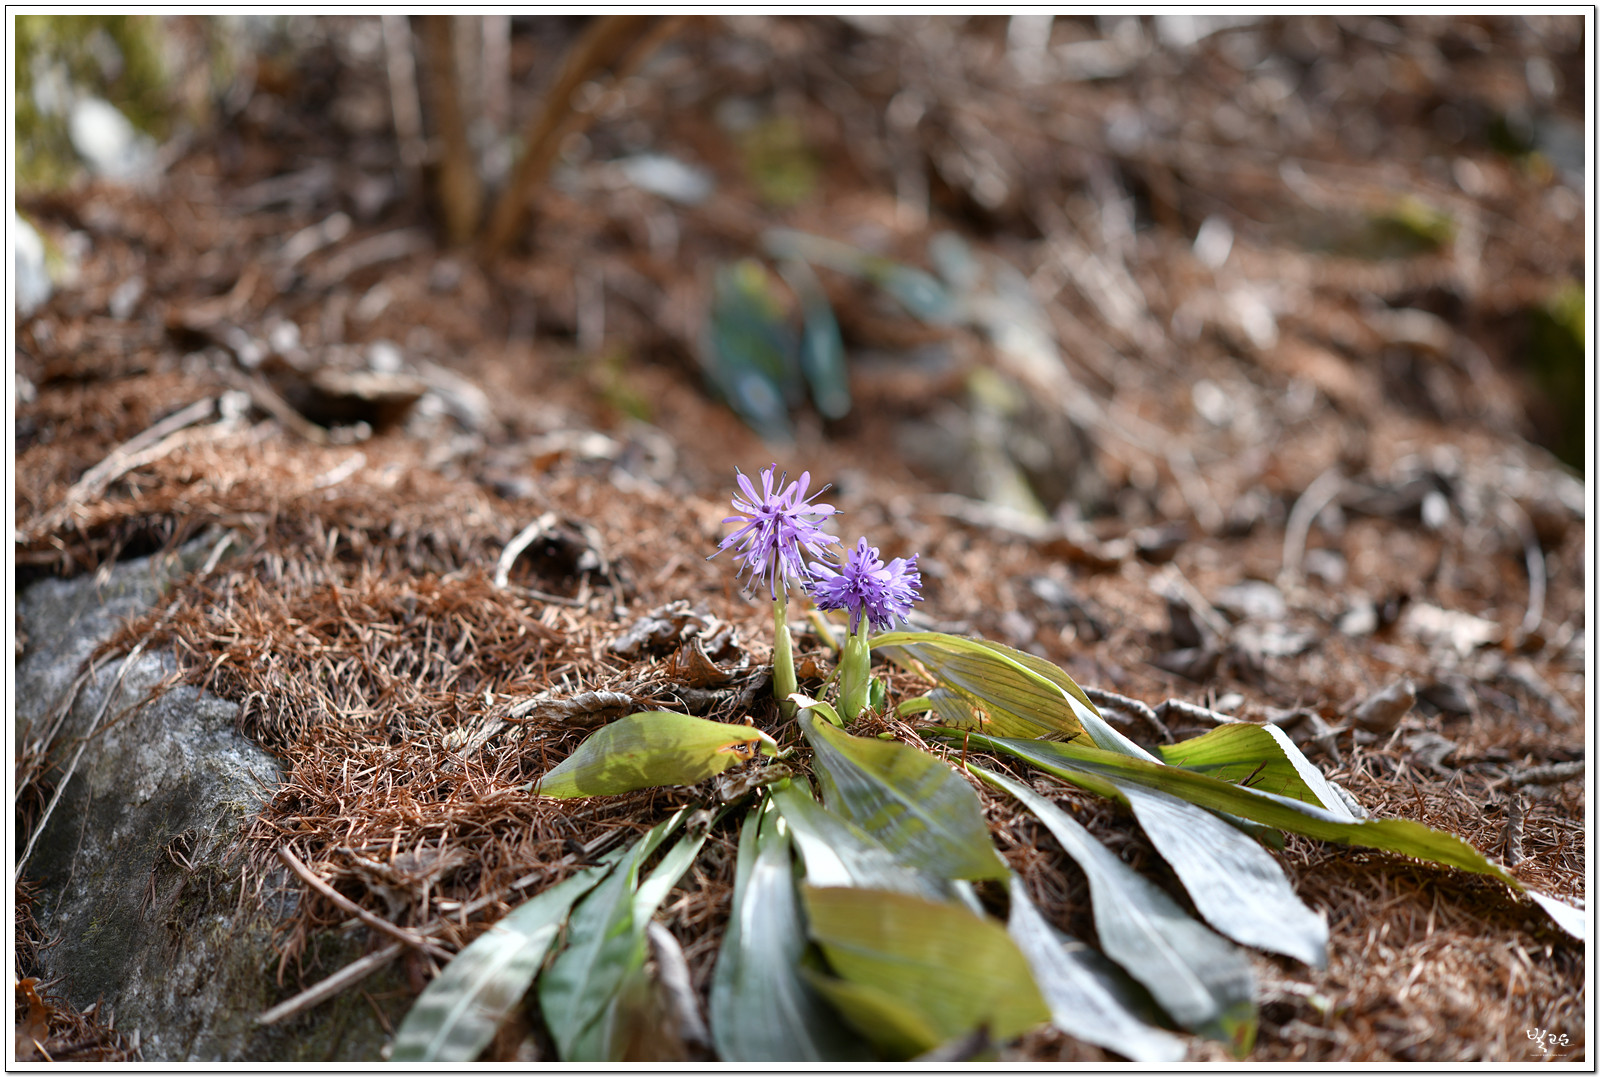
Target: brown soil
355,613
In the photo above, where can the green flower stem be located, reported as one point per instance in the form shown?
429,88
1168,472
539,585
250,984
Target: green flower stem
855,669
783,678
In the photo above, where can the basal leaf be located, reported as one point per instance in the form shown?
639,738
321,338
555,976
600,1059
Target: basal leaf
1235,884
457,1014
1089,997
604,943
897,1031
955,969
1014,700
762,1008
649,749
1200,979
914,804
1072,762
1262,756
839,853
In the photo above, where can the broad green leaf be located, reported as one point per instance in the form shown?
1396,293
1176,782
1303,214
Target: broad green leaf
839,853
1014,699
1073,762
457,1014
896,1030
604,943
1088,996
821,346
914,804
955,969
1235,884
606,1039
1262,756
762,1009
649,749
1203,981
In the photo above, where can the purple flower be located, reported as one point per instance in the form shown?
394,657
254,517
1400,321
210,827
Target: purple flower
862,583
778,526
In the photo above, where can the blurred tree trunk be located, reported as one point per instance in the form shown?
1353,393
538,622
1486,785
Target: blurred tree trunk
618,42
457,186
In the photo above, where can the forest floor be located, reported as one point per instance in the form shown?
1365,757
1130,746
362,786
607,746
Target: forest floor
1285,460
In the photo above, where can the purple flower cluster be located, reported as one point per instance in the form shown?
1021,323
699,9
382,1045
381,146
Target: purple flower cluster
778,525
863,584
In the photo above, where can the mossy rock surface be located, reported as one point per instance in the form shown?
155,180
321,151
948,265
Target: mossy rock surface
135,876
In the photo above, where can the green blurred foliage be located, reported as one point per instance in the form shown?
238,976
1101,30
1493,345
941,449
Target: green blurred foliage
117,57
1555,358
779,162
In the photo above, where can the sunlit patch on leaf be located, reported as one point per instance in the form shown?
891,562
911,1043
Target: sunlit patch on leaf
651,749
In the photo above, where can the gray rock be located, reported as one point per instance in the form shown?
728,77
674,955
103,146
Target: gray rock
133,866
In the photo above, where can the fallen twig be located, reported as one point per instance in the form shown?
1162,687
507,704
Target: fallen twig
410,938
1139,709
1310,504
352,973
1517,517
137,451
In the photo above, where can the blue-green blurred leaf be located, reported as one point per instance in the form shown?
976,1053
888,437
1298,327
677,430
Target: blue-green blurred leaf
918,291
821,346
914,804
750,350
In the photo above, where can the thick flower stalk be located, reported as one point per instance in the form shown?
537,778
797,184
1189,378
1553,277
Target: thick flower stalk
878,596
778,526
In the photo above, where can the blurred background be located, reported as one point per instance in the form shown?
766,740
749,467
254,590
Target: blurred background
1016,253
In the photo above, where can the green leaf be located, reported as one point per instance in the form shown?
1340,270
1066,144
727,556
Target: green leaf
914,804
605,942
821,346
749,353
1088,996
649,749
457,1014
1203,981
896,1030
1263,756
955,969
839,853
1235,884
1014,699
762,1008
1074,763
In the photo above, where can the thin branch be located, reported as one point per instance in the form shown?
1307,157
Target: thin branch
410,938
137,451
352,973
1310,504
621,42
